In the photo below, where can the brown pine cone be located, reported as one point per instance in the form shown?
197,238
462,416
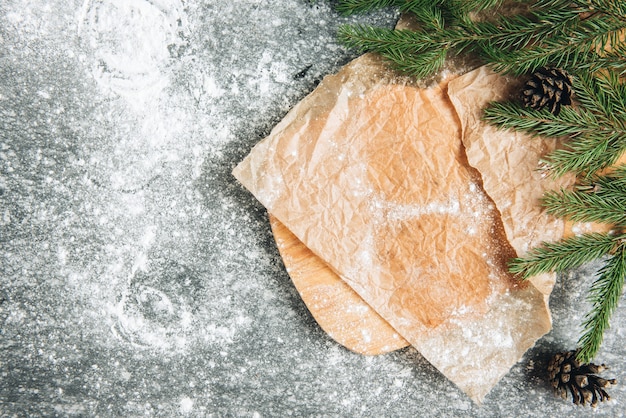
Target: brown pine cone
566,373
548,88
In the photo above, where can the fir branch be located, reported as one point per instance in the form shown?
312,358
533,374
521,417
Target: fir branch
593,143
617,177
420,66
610,92
487,37
595,93
580,50
520,31
476,5
367,38
604,296
559,256
613,61
585,157
410,51
609,186
571,35
587,207
430,17
348,7
540,122
403,47
616,8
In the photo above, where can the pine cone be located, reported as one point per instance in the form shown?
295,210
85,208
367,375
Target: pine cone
548,88
565,372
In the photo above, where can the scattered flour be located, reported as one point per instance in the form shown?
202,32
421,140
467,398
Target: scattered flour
186,405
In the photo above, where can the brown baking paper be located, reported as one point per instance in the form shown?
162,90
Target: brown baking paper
369,172
336,307
509,165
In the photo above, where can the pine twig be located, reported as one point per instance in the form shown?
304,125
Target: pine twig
512,115
593,144
410,51
604,296
587,207
585,157
563,255
477,5
605,93
585,38
569,34
349,7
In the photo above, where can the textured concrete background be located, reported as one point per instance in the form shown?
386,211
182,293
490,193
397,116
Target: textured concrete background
137,277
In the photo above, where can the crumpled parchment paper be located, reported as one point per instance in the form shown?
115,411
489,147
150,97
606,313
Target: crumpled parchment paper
336,307
370,172
509,165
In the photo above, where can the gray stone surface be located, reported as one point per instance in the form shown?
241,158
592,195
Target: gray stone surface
137,277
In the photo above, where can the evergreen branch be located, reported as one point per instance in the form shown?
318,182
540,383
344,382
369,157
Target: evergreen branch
476,5
519,31
420,66
616,8
613,92
587,207
592,93
584,39
430,17
610,186
554,32
559,256
596,138
618,176
594,62
380,40
407,49
604,296
348,7
541,122
557,4
514,32
585,157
